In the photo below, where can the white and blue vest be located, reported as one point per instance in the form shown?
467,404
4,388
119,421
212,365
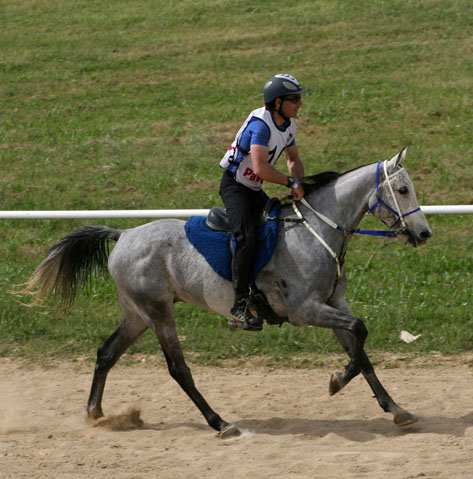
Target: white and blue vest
278,141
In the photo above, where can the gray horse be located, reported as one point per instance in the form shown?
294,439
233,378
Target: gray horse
154,266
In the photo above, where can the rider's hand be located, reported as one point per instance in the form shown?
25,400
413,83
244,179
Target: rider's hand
298,193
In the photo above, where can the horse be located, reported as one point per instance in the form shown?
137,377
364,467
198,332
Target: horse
154,266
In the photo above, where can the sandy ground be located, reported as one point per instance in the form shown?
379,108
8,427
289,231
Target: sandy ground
291,427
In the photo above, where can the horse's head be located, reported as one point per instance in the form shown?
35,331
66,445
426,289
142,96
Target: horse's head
395,202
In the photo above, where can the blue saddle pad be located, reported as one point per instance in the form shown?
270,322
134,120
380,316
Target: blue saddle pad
214,245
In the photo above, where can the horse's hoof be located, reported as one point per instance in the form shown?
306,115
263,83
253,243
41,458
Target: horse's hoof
90,419
404,418
336,383
228,431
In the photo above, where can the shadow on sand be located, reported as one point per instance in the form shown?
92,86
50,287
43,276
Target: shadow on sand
357,430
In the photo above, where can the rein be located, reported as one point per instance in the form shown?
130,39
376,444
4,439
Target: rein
327,247
388,234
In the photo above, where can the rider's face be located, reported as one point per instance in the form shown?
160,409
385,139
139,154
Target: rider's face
290,105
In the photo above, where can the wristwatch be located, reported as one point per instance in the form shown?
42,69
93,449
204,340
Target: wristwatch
292,182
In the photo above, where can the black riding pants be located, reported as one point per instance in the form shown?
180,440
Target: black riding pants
244,206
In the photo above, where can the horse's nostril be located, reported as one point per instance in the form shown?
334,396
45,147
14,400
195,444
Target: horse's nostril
426,234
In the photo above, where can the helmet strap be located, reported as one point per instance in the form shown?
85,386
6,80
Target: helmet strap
280,113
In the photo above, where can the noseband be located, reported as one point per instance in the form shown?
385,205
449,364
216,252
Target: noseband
379,201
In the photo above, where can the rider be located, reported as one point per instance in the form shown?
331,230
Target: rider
265,134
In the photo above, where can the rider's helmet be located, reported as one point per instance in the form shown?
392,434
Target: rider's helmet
281,85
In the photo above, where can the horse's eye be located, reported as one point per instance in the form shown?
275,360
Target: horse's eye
403,190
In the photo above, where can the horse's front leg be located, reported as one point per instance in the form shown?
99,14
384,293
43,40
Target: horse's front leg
401,416
325,316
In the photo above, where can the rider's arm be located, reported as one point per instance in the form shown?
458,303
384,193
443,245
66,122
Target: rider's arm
294,163
296,169
259,157
261,166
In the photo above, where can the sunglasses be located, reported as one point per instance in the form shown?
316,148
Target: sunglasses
294,99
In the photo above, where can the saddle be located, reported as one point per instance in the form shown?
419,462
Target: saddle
217,219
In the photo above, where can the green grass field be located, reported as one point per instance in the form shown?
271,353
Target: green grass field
131,104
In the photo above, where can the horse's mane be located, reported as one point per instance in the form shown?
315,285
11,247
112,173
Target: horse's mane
314,182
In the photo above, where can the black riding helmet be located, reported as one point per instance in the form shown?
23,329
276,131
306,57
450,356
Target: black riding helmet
279,86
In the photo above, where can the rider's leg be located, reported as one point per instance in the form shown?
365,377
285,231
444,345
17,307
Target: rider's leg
243,207
243,259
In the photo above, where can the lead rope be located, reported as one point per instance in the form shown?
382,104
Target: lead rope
330,250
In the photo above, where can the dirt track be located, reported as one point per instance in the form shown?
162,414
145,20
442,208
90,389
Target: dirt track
292,428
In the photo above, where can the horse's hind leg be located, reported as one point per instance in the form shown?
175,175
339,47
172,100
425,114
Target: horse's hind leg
165,330
401,417
108,354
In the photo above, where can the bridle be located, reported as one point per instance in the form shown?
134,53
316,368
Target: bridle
379,202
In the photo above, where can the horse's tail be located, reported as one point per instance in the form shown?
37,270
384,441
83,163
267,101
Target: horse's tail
70,263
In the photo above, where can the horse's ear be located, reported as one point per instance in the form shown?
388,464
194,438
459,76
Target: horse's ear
402,156
397,160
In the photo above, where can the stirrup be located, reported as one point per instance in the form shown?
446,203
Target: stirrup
241,317
252,326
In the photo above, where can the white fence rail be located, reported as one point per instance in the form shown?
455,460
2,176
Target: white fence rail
451,209
102,214
443,209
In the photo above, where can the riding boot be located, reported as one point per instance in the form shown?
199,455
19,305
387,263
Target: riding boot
242,317
243,259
